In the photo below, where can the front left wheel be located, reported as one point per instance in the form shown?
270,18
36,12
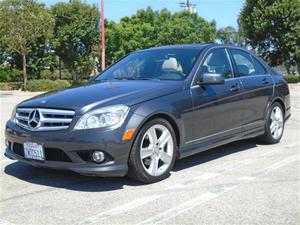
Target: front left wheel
153,152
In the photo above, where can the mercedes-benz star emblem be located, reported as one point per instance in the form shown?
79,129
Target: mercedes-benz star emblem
34,119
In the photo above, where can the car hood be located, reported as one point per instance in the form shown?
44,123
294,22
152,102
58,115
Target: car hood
90,96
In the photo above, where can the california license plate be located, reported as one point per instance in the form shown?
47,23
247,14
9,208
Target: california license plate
33,151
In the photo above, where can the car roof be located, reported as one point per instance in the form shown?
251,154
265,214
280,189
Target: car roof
192,46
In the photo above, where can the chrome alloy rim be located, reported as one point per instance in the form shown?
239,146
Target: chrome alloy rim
276,124
156,150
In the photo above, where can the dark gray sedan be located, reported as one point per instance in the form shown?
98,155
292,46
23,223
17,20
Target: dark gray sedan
150,108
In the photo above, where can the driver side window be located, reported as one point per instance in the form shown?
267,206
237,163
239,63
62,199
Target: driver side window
217,62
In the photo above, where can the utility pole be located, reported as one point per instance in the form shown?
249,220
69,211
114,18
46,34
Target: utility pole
102,37
188,6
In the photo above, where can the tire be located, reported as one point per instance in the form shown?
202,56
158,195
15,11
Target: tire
273,134
150,160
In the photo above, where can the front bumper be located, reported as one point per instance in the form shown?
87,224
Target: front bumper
104,170
70,149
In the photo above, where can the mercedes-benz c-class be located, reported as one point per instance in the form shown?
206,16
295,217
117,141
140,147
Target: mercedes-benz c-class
150,108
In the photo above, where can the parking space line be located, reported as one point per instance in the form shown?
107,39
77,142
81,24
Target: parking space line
280,164
173,212
202,177
198,200
96,219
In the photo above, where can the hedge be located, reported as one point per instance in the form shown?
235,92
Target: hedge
8,74
7,86
47,85
292,79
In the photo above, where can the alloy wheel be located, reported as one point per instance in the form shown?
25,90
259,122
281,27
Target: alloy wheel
276,123
156,150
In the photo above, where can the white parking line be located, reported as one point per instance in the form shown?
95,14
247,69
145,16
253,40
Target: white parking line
179,209
280,164
202,177
96,219
173,212
198,200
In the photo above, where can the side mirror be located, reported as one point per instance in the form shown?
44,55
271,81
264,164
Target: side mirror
212,78
92,78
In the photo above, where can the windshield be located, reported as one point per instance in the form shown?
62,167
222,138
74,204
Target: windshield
164,64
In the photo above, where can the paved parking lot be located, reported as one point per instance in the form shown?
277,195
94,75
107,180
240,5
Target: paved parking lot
240,183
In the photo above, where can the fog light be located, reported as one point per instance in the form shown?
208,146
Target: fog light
98,156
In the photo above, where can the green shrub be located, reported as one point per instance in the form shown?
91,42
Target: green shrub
16,75
49,75
292,78
3,76
47,85
7,86
9,74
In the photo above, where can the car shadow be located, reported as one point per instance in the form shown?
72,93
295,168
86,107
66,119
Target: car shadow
73,181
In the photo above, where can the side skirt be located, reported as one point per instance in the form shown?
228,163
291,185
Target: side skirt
213,143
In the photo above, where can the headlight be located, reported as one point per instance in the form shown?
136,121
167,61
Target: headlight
103,117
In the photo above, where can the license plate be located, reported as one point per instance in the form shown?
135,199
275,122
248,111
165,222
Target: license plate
33,151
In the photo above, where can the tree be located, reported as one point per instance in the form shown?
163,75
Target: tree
148,28
22,23
273,29
229,35
76,33
186,28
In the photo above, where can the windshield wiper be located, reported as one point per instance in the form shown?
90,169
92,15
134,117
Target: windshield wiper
124,78
135,78
146,78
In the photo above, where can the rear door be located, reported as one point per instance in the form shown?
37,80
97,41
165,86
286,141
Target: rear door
257,84
218,107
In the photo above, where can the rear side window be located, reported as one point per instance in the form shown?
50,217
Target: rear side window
217,62
243,62
260,70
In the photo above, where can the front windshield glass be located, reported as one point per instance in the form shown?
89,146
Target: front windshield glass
164,64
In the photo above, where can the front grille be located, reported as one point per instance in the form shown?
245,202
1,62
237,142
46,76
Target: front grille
55,154
51,154
40,119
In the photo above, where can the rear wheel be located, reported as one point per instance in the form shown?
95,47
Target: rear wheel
274,125
153,152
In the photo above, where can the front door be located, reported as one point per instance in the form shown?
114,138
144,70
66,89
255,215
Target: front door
217,108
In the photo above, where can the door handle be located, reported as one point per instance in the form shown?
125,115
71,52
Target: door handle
235,87
265,81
